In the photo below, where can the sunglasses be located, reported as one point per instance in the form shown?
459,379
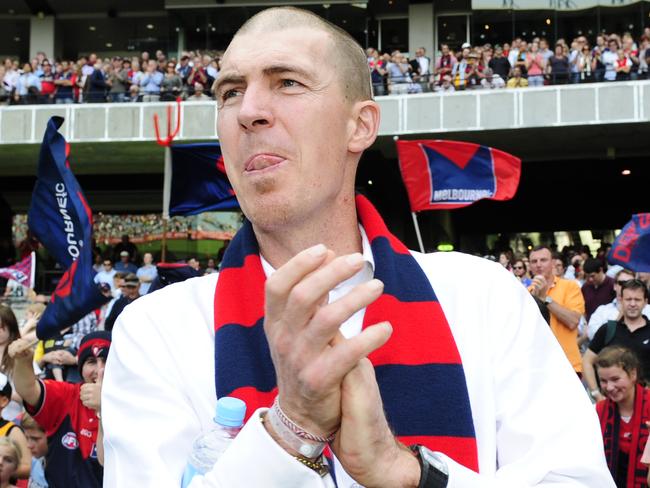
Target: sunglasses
518,267
622,282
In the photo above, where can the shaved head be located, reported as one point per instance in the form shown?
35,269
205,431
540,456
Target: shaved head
345,55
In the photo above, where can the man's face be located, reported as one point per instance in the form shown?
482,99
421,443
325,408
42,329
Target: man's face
193,263
519,269
558,268
541,263
131,290
36,442
284,125
147,258
124,259
445,49
622,278
595,278
633,303
91,368
419,53
108,266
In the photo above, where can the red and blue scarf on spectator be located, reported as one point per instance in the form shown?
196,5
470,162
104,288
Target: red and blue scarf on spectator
610,420
419,369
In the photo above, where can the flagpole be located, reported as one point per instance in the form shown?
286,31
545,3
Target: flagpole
167,189
417,231
32,274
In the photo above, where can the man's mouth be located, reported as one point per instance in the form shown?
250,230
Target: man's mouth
260,162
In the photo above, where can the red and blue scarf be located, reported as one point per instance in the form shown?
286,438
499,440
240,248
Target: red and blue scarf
419,369
610,421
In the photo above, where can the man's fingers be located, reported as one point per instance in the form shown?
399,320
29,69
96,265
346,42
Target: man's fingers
328,319
309,292
346,354
280,283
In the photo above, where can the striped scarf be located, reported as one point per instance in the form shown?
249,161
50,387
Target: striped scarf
419,370
610,420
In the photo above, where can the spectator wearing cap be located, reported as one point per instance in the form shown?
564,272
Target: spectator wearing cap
130,293
124,264
125,244
117,80
11,430
492,80
67,411
598,288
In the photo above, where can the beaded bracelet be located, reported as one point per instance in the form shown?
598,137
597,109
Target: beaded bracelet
296,429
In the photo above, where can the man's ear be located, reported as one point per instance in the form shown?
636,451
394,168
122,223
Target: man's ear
366,126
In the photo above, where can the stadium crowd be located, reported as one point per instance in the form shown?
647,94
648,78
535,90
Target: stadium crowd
599,315
517,64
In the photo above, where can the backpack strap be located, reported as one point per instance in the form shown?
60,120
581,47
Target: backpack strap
610,332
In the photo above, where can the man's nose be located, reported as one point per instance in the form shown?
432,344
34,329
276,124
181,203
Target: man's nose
255,109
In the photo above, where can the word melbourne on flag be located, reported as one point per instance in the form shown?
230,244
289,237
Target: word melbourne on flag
449,174
61,220
198,181
21,272
631,248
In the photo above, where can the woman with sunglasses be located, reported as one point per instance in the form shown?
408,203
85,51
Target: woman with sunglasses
623,416
520,270
171,86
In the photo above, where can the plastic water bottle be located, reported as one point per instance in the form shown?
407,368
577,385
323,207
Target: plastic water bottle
209,446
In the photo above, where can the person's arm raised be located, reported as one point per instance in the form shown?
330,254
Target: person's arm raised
25,381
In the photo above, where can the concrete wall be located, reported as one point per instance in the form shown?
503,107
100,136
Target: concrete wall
421,27
41,35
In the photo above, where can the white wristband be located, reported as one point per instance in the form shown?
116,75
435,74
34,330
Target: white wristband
306,447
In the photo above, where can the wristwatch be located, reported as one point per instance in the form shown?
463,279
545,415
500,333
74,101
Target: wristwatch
548,300
433,468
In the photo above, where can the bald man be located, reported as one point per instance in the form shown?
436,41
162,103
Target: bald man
330,330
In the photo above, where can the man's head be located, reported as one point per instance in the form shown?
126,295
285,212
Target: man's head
516,72
519,268
634,296
444,49
419,52
620,278
193,263
124,256
147,258
295,114
92,354
36,438
198,89
118,280
131,286
594,272
541,262
108,264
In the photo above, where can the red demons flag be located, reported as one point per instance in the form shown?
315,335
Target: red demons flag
449,174
631,249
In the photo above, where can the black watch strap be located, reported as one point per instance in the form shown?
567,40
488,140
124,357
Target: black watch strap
430,475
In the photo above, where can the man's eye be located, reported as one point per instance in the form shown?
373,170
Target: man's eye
229,94
289,83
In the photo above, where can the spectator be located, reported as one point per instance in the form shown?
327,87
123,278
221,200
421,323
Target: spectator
106,275
124,263
520,58
96,85
535,66
11,456
172,84
9,332
612,310
47,83
585,64
9,430
445,85
150,83
424,66
59,407
623,66
37,444
624,412
144,57
210,70
513,52
131,292
473,72
197,73
631,331
644,57
544,50
118,81
445,63
398,74
64,83
500,64
28,87
210,267
492,80
459,70
558,66
125,244
632,53
198,95
10,79
520,270
377,73
609,58
184,68
194,263
564,301
517,80
598,288
146,273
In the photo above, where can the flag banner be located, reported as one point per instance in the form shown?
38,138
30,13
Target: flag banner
442,175
198,180
631,248
61,220
21,272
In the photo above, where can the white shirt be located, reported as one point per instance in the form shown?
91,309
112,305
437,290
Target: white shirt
605,313
106,277
534,424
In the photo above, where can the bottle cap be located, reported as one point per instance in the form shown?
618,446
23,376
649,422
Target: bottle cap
230,412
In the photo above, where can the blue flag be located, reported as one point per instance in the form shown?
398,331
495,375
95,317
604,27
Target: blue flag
61,220
631,249
198,180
